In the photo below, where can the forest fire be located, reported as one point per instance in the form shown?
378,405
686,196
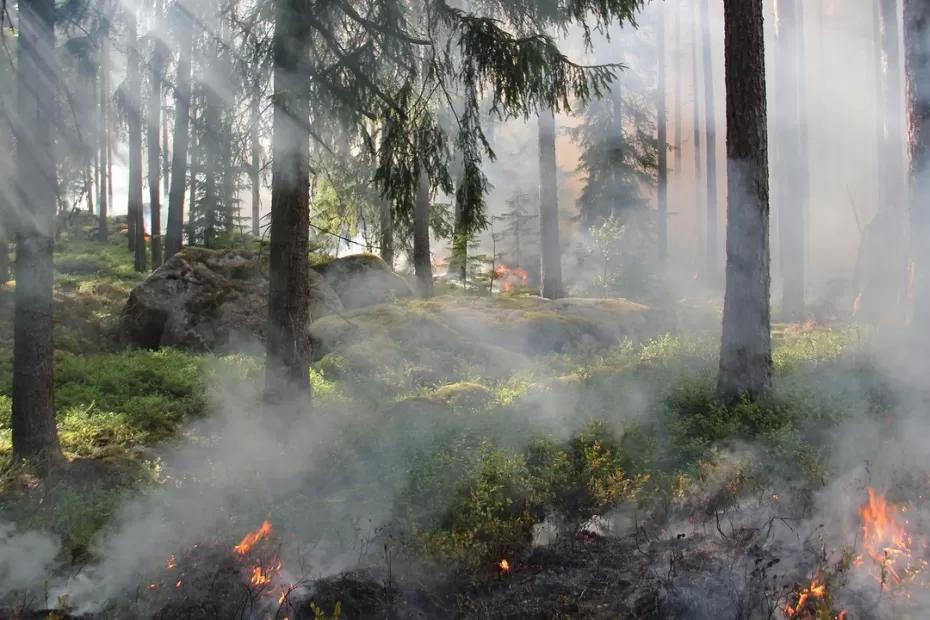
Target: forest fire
245,545
510,278
887,544
504,566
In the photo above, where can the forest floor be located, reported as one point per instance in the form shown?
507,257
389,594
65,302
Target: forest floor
596,483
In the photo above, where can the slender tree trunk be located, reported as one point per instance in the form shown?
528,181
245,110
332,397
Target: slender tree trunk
662,122
387,232
917,66
710,124
550,246
134,114
182,107
4,257
679,55
893,106
792,195
196,167
422,259
459,262
288,363
255,170
746,346
701,224
154,150
104,227
35,437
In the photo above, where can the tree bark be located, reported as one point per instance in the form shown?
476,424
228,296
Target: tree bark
182,106
793,197
893,108
134,118
104,228
679,55
288,362
662,122
550,245
917,67
746,347
255,170
35,437
710,125
422,259
701,224
154,150
387,232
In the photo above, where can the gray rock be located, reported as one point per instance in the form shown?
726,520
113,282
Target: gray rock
206,300
363,280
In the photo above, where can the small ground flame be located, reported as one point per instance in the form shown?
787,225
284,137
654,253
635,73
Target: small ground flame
811,602
886,541
504,566
510,278
245,545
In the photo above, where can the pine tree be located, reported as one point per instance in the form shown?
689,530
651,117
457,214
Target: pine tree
35,437
746,347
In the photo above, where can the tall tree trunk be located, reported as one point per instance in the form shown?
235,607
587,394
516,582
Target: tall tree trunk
662,122
255,169
746,345
679,55
422,259
104,227
710,124
154,149
35,437
288,363
459,262
701,224
387,232
893,106
550,246
917,66
793,197
4,257
134,118
182,107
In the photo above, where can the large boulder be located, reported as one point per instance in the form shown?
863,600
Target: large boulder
207,300
363,280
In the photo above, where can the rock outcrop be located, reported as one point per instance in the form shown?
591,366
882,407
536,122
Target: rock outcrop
206,300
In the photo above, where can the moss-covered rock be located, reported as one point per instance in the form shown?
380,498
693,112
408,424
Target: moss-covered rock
208,300
363,280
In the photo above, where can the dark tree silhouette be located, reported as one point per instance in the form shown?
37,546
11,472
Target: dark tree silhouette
746,345
551,251
182,107
35,438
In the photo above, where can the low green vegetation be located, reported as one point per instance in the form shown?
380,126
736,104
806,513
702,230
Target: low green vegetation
474,463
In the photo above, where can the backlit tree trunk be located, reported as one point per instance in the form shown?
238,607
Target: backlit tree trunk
550,245
103,226
35,438
917,66
793,197
893,108
701,224
182,107
387,232
288,363
422,261
746,347
134,117
154,150
256,159
662,122
710,123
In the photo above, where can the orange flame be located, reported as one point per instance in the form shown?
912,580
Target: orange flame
245,545
815,591
504,565
260,576
510,278
886,541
